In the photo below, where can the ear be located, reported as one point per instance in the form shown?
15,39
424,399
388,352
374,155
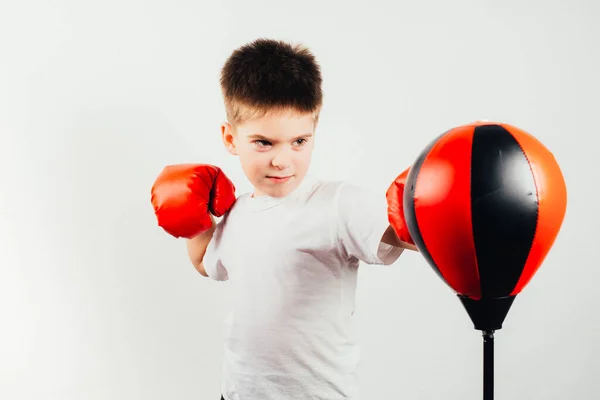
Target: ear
229,139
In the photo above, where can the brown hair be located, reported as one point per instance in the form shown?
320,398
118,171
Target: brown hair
270,75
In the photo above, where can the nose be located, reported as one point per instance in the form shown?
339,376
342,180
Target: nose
282,159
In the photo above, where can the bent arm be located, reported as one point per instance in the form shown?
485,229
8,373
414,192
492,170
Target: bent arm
196,247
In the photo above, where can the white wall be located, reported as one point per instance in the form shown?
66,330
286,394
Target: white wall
96,302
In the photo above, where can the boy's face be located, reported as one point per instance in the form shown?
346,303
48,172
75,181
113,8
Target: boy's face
275,150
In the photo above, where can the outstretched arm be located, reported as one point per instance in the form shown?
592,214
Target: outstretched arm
398,234
391,238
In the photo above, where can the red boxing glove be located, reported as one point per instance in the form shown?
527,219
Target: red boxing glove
184,194
394,196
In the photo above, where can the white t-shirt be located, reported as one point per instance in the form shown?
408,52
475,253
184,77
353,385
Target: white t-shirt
292,263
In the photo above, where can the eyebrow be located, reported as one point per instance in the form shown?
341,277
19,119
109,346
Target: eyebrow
258,136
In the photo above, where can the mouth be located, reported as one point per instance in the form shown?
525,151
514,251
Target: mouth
280,179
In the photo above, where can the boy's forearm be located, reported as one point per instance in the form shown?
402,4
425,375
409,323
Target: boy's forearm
391,238
196,247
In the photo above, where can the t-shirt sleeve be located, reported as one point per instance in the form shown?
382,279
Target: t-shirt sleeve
361,224
213,262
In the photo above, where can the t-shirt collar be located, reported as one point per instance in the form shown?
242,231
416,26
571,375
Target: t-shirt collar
265,201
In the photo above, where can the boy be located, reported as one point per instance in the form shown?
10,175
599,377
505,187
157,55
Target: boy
292,247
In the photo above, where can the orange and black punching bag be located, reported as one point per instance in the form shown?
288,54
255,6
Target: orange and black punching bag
484,203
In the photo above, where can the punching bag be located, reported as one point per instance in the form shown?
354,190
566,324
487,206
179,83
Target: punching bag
484,203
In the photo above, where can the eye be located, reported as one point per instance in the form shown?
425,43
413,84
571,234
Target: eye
301,141
262,143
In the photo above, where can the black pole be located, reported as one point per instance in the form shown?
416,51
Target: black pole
488,365
488,315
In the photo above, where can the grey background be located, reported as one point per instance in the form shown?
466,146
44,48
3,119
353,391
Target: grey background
96,302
